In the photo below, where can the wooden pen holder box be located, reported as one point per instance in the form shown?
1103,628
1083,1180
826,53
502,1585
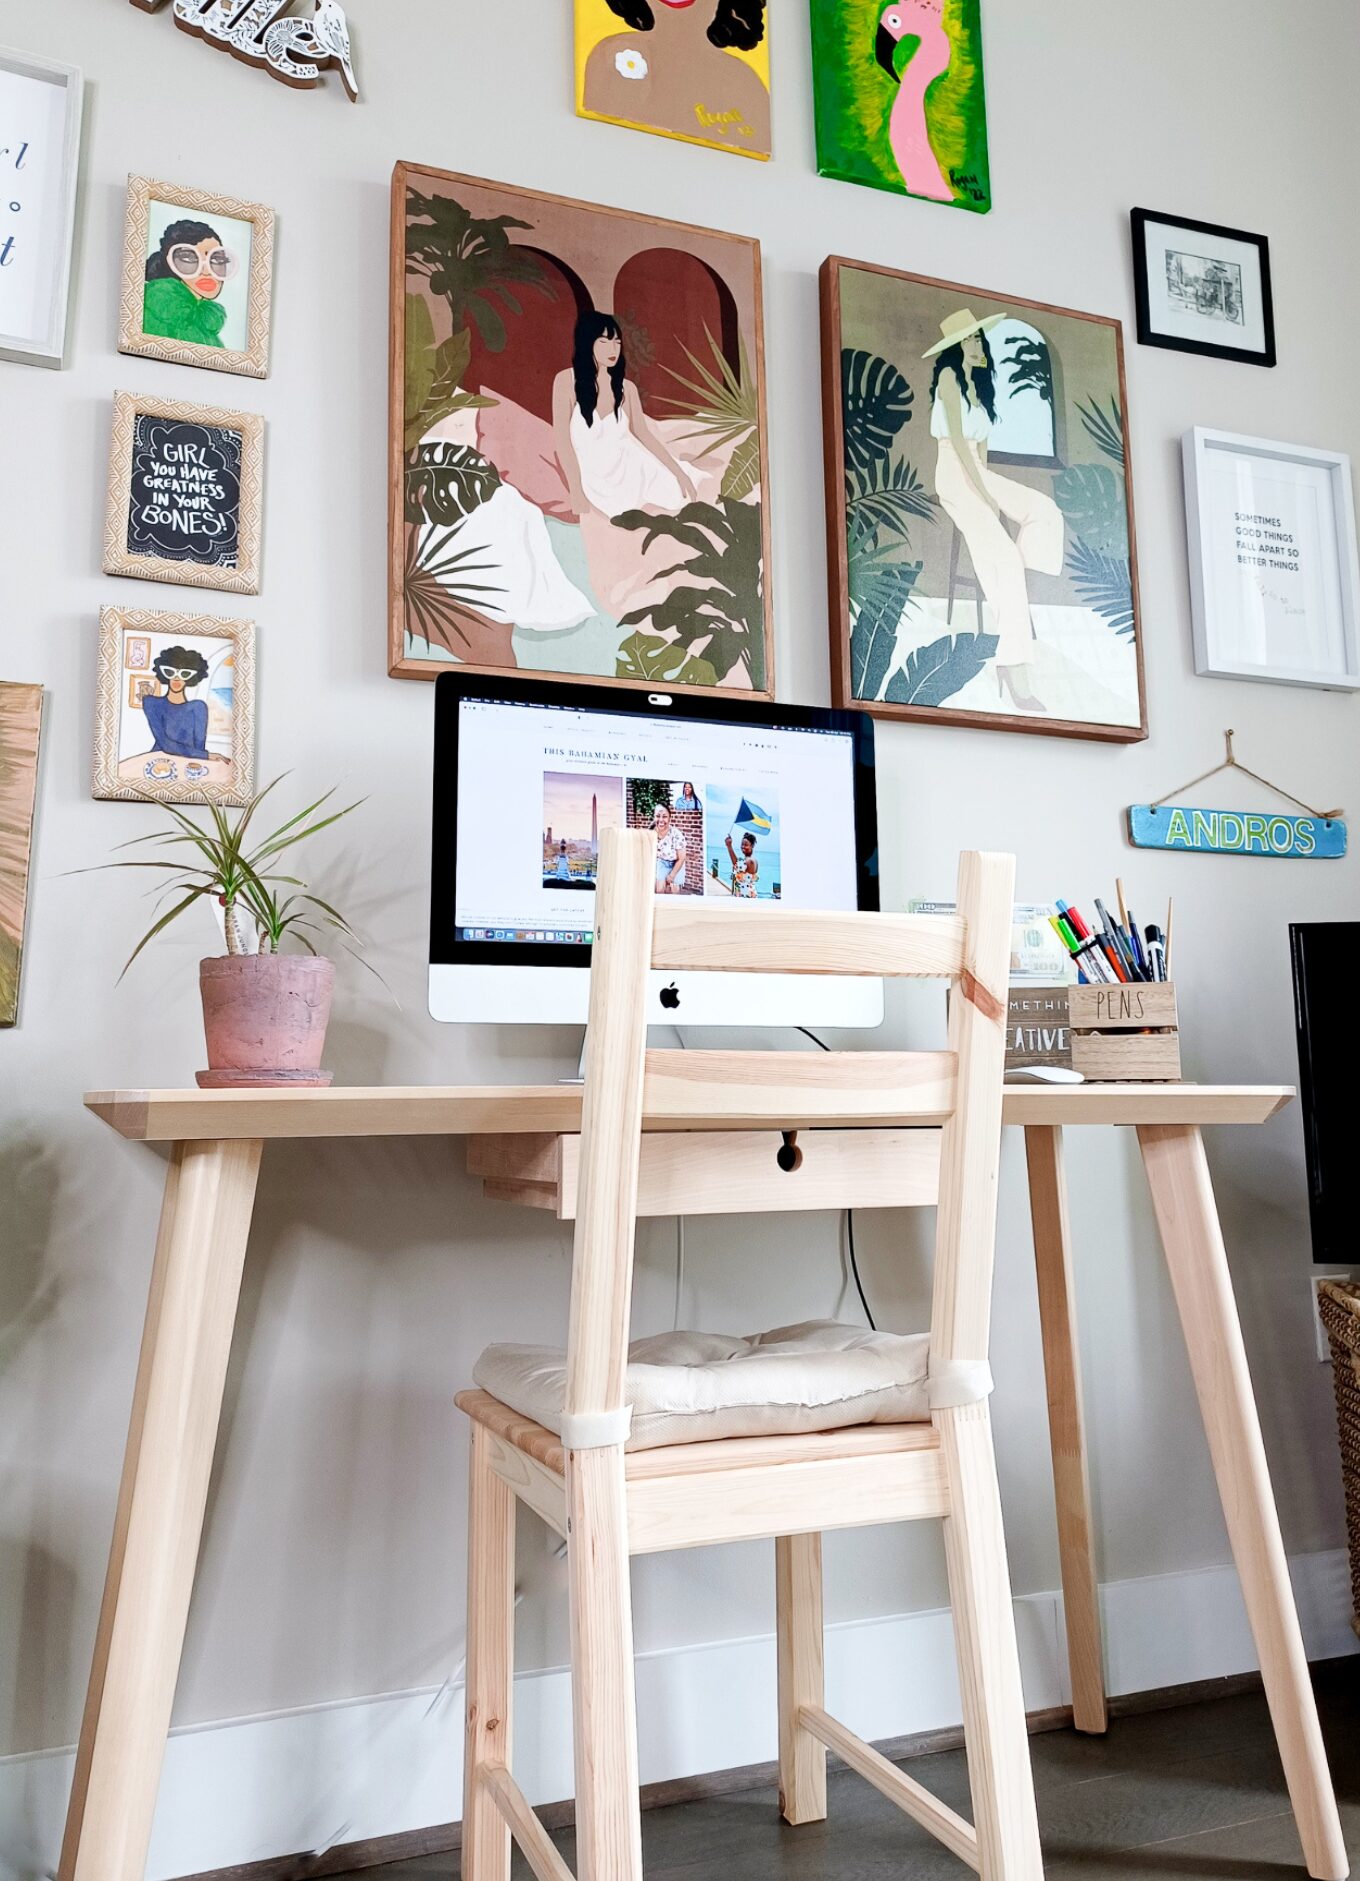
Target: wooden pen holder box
1125,1034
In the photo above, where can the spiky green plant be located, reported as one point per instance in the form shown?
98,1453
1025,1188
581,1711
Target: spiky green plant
236,872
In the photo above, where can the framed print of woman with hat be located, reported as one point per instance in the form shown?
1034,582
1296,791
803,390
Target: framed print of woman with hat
963,591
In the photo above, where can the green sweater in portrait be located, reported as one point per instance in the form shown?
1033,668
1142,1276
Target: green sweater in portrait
171,311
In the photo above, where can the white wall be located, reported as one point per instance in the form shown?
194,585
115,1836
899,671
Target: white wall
332,1561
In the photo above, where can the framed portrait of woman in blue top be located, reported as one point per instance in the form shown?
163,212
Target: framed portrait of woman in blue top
175,718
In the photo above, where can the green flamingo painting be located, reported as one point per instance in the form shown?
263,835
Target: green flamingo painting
917,26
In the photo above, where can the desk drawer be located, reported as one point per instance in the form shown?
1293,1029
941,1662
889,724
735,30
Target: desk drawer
725,1173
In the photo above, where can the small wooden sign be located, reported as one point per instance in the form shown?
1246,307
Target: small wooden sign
1236,832
1037,1027
1126,1033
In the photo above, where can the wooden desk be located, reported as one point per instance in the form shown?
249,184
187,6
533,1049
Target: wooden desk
200,1250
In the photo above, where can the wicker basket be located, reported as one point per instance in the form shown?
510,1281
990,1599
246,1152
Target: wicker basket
1339,1307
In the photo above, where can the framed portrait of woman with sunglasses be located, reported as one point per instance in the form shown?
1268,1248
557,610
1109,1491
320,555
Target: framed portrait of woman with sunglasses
175,708
197,279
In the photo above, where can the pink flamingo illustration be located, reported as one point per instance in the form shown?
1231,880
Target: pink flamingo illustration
908,132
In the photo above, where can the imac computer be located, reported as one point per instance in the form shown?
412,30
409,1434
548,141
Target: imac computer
751,803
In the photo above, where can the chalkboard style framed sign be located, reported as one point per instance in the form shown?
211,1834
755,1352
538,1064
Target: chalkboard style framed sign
186,487
40,111
175,708
197,279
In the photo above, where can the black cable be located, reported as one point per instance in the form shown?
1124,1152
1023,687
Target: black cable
849,1216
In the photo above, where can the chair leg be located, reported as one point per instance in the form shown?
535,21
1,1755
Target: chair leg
953,576
989,1662
798,1608
604,1705
490,1663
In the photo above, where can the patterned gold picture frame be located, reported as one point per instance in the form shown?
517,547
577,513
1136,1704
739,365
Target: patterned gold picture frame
251,360
130,777
244,576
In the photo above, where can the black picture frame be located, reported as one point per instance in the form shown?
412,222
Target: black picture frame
1148,335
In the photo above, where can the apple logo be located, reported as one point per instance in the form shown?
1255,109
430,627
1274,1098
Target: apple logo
670,996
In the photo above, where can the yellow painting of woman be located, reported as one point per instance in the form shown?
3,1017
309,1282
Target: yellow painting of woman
698,70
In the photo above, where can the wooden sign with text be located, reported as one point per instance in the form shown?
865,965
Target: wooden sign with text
1037,1027
1236,832
295,51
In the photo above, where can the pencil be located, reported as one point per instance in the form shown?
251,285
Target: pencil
1123,905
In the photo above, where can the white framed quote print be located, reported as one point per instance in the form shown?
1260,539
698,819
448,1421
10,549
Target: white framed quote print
1273,566
40,112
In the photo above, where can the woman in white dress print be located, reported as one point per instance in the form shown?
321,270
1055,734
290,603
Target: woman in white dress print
975,498
611,457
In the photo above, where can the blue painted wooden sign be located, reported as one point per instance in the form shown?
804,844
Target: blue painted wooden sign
1236,832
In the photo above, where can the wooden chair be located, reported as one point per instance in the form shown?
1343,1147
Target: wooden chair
610,1502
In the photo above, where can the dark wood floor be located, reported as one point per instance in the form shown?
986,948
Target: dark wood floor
1194,1792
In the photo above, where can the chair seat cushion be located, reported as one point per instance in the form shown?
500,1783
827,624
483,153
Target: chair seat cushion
694,1387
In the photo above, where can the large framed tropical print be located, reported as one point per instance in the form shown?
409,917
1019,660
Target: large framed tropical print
578,457
980,509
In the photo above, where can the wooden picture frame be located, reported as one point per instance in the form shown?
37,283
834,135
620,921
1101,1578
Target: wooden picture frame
241,344
1222,286
478,420
141,757
153,502
1255,567
34,94
881,358
20,739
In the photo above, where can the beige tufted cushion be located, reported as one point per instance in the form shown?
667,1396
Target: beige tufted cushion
690,1387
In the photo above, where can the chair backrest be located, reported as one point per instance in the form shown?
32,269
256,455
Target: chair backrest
959,1090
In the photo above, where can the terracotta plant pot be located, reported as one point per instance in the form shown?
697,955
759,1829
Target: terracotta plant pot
265,1018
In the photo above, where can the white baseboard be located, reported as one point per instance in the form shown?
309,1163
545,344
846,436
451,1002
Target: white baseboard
252,1788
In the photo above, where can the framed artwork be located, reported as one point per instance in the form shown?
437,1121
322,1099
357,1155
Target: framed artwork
20,723
980,509
900,100
1203,289
578,458
1274,577
186,486
197,279
699,72
175,708
40,114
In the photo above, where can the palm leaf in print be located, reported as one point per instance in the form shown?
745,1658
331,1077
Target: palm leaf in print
723,400
1106,429
1103,583
876,402
882,601
935,673
442,592
885,497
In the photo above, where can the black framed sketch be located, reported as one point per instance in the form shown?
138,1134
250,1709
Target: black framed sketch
1203,289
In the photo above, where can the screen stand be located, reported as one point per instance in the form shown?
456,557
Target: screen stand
580,1077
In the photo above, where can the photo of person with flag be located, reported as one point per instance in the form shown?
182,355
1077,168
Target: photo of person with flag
743,859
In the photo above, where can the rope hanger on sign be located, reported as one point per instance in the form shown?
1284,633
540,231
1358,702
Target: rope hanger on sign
1233,763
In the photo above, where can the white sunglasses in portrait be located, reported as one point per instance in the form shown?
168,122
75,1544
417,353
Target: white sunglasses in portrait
189,264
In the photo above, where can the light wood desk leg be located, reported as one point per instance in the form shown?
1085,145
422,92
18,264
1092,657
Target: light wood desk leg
176,1405
1066,1425
801,1635
1183,1197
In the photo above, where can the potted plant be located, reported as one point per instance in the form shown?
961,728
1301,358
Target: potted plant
265,1012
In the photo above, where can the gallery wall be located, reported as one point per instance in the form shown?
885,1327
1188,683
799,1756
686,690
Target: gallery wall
332,1563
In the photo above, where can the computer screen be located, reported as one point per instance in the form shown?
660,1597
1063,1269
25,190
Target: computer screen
748,802
1328,1038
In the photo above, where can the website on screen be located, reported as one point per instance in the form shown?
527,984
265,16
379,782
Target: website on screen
745,813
